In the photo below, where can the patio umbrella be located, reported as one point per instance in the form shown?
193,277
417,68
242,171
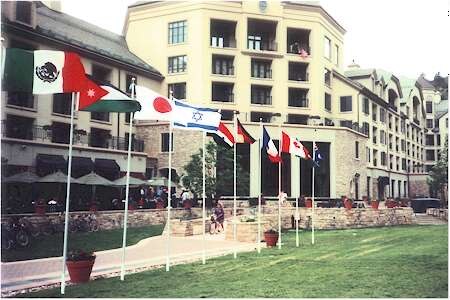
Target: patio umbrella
122,181
57,177
160,181
24,177
93,180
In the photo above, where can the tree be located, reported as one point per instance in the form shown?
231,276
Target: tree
438,180
219,172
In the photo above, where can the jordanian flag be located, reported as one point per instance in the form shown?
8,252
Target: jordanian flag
111,98
42,71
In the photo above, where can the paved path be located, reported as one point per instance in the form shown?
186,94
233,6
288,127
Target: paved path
147,253
424,219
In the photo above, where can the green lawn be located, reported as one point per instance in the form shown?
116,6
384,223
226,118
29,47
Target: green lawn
408,261
49,246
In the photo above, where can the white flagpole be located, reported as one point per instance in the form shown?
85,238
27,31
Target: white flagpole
204,198
313,204
127,189
234,183
169,187
279,190
297,241
260,186
69,175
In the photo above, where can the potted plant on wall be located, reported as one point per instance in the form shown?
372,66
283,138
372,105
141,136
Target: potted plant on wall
271,237
308,202
79,264
348,203
374,204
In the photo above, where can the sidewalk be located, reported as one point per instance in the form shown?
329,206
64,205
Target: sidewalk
150,252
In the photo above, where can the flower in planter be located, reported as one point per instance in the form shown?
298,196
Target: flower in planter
79,255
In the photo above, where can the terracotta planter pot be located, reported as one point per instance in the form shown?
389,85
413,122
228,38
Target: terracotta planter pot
348,204
39,209
159,205
308,203
374,204
391,204
271,238
187,204
131,207
80,271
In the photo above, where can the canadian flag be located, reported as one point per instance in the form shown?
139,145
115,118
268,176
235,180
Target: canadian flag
293,146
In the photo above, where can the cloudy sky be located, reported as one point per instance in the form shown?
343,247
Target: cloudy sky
405,37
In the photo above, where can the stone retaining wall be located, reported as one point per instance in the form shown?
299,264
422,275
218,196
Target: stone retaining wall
438,212
325,218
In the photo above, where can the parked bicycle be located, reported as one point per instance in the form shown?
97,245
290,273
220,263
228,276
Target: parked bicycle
14,233
83,223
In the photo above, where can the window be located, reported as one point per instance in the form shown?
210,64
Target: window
336,58
60,132
346,123
374,135
223,34
327,101
222,92
366,105
99,138
366,129
177,32
429,123
375,158
255,116
227,115
222,65
346,103
446,122
429,140
298,97
429,107
254,42
382,115
165,142
23,11
100,116
261,68
383,159
62,103
382,137
102,74
128,81
356,149
367,154
21,99
438,140
430,155
19,127
374,112
261,95
177,64
298,71
327,77
178,89
327,48
403,143
404,164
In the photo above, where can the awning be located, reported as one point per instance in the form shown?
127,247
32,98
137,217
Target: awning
383,180
109,165
81,166
48,163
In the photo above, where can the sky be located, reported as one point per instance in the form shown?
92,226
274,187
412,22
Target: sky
405,37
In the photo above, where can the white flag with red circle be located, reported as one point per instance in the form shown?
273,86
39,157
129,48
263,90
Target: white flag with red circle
154,106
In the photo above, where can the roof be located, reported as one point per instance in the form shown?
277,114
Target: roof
426,84
81,34
441,108
359,72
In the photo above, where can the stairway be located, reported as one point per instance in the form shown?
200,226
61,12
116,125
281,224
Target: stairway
424,219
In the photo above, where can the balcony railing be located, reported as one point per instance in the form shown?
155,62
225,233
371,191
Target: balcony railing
299,76
262,45
263,100
301,102
45,134
295,49
224,71
226,98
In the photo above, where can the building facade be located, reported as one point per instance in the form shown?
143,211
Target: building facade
35,128
281,62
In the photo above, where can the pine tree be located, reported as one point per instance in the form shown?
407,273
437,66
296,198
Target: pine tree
438,180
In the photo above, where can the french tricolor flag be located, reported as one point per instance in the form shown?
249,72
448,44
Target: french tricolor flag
270,147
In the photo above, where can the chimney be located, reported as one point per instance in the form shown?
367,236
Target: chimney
54,5
354,65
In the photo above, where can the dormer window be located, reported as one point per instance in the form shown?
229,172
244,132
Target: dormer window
24,11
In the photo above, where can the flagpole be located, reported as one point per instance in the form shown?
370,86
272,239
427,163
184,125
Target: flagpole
260,187
297,241
169,187
234,183
313,204
204,198
279,189
69,175
127,188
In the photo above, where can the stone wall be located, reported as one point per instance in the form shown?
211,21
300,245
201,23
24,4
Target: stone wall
438,212
325,218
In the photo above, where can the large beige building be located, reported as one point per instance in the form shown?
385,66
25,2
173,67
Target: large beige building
35,128
282,62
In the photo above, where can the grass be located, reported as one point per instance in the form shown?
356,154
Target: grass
51,246
404,261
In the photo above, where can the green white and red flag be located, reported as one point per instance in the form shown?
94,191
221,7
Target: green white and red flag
43,71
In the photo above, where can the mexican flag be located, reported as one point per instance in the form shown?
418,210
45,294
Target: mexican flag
104,97
42,71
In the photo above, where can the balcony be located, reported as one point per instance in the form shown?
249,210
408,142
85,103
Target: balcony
298,39
261,68
222,92
298,71
49,134
261,95
223,34
298,97
223,65
261,35
21,99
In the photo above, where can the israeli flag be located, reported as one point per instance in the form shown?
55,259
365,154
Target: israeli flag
188,116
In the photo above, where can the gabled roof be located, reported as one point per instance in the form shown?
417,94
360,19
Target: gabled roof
426,84
441,108
358,72
84,36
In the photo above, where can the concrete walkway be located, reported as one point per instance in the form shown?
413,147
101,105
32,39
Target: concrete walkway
424,219
150,252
